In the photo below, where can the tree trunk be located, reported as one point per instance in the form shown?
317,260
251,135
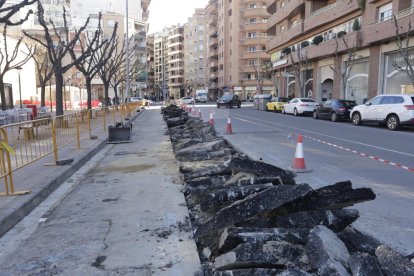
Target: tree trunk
107,101
59,93
3,94
43,94
89,91
116,95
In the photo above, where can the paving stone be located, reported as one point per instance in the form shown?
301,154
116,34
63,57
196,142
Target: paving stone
270,254
336,196
363,264
216,199
327,253
255,204
262,272
393,263
241,163
233,236
335,220
356,241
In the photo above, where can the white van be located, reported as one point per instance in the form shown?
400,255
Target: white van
201,96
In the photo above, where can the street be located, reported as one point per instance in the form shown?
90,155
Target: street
369,156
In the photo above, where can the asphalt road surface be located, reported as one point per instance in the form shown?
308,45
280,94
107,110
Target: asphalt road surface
369,156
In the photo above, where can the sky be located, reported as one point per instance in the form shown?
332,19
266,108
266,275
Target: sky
164,13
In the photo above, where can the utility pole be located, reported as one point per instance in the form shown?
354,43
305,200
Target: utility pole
127,51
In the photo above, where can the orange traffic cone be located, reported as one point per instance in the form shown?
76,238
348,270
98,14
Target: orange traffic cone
211,118
199,113
229,129
299,161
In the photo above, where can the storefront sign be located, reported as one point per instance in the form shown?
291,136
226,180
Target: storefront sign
279,62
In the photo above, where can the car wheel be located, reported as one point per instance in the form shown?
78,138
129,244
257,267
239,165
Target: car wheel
283,111
315,115
218,106
393,123
334,117
239,106
356,119
295,112
275,110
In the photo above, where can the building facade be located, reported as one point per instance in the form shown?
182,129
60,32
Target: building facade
212,49
195,52
241,39
160,64
345,49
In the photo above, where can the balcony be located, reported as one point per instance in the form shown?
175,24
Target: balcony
258,40
255,12
212,42
385,30
254,55
213,20
213,64
213,75
212,53
256,26
330,13
248,68
271,6
286,36
293,7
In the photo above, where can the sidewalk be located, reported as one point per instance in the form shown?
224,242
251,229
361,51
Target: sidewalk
134,189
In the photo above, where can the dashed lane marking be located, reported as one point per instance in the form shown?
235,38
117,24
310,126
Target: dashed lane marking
334,145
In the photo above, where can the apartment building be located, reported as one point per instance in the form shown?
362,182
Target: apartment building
160,65
195,52
175,61
151,89
346,49
242,38
212,49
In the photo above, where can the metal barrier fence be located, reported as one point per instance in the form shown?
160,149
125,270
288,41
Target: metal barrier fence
26,142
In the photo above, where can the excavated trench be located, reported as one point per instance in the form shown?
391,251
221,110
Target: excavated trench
251,218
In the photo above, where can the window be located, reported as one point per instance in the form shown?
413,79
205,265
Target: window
252,6
392,100
252,20
282,4
282,28
111,23
376,100
385,12
230,12
252,49
251,35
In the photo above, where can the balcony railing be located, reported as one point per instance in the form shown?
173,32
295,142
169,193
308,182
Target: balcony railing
330,14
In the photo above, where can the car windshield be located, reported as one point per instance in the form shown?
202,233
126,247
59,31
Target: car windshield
307,100
348,104
412,98
283,100
227,97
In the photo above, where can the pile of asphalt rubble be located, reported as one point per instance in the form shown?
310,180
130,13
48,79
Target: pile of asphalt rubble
251,218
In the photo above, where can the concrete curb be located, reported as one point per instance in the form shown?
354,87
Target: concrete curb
12,218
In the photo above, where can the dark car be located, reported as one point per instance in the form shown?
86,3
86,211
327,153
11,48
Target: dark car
334,110
229,101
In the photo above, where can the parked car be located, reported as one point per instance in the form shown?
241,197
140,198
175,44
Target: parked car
186,100
334,110
135,99
276,104
300,106
229,100
392,110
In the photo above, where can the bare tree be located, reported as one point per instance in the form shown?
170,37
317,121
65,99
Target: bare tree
8,11
136,70
261,74
44,71
300,69
9,60
91,65
343,68
403,42
106,70
58,45
273,75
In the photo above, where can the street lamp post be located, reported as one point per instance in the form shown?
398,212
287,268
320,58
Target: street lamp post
19,69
